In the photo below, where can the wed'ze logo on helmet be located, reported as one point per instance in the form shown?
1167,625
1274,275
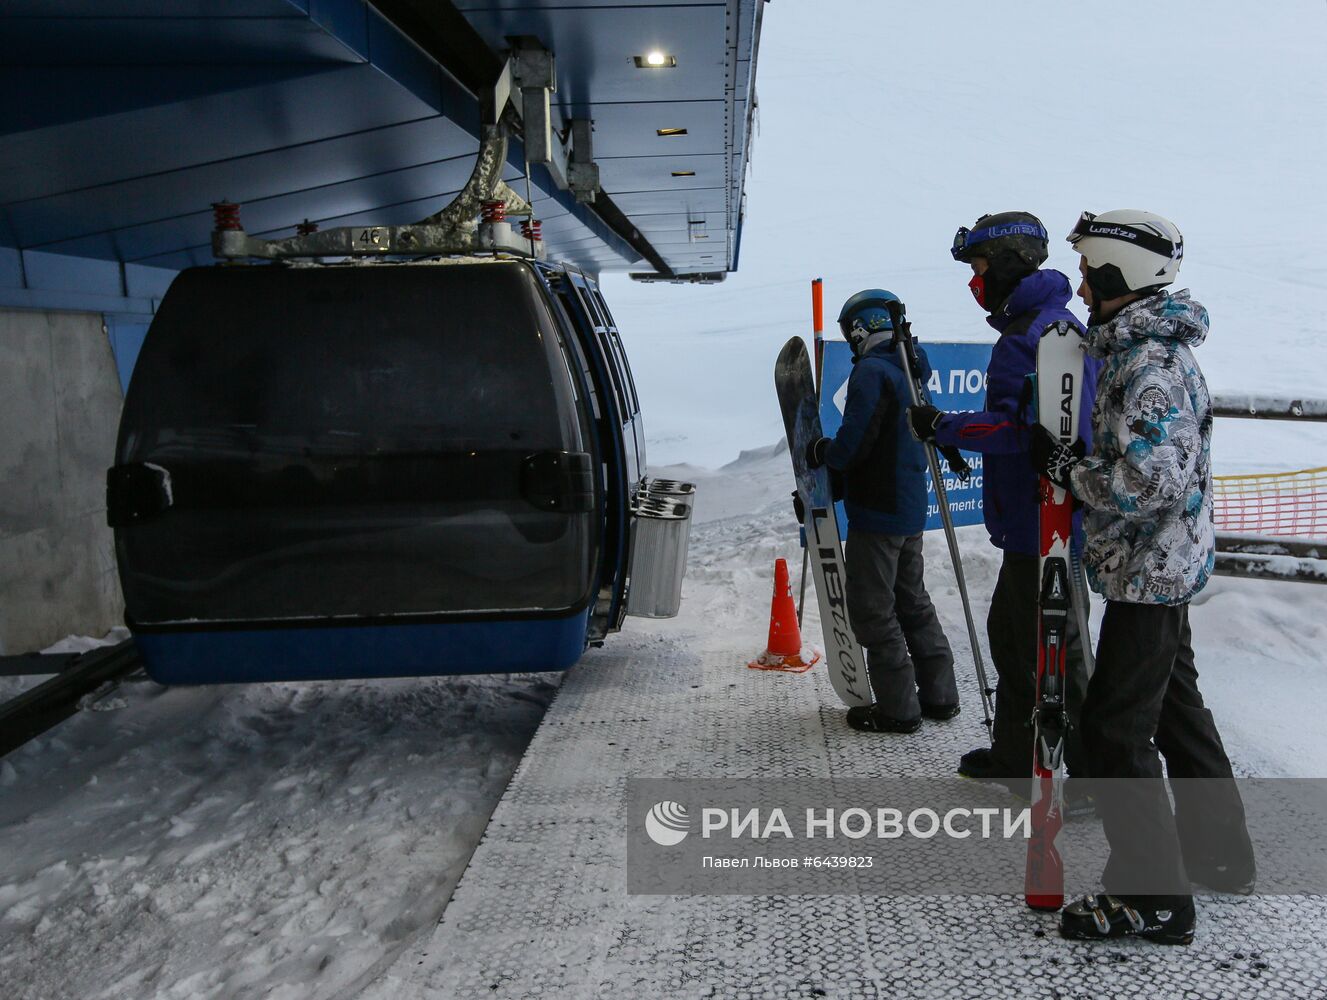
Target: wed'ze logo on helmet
667,823
1116,232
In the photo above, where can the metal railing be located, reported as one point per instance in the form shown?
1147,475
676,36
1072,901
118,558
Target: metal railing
1271,526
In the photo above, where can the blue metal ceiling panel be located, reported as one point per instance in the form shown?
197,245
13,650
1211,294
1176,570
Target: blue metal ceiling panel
150,41
624,175
379,157
632,129
320,105
595,49
646,203
150,109
706,93
213,9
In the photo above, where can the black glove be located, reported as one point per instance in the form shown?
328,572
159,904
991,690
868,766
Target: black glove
922,421
836,485
815,452
958,465
799,508
1054,459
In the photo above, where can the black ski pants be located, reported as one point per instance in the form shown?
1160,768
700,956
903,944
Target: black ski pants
1012,629
907,654
1144,698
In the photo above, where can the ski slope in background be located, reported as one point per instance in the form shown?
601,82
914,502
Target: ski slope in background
886,126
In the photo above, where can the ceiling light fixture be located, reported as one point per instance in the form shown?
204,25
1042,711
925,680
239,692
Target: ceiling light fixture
655,59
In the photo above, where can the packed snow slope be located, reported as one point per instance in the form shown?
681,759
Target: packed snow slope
886,126
246,841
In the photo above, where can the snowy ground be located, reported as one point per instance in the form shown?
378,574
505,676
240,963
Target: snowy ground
277,841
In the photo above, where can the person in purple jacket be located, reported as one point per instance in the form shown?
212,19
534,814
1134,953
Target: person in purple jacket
1006,252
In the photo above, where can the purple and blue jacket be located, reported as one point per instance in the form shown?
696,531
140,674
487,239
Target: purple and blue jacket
1000,432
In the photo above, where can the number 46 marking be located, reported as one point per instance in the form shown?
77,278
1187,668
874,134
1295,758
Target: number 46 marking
372,239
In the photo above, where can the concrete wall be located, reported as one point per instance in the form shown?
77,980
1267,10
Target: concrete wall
59,408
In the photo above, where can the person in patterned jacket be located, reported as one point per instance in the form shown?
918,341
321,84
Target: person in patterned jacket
1147,496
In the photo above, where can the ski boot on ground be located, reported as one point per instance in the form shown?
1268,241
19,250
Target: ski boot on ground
1078,800
869,719
939,713
1103,918
1238,880
981,765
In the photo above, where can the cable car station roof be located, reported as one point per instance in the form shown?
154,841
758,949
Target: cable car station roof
123,120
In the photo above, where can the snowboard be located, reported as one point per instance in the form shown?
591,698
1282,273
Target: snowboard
801,419
1058,385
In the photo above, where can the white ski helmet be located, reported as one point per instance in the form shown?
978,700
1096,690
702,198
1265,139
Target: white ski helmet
1128,250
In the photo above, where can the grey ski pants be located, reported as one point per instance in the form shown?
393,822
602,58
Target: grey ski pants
907,655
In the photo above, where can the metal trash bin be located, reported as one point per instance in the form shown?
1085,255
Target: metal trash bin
670,488
660,531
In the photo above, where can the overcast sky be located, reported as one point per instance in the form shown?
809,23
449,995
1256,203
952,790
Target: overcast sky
884,126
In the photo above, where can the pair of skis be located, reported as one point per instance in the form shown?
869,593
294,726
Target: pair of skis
1062,592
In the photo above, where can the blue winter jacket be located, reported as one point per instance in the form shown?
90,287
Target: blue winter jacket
1000,431
883,465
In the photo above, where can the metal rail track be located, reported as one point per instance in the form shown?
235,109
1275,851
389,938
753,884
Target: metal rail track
39,708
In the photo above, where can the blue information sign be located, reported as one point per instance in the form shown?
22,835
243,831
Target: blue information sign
957,382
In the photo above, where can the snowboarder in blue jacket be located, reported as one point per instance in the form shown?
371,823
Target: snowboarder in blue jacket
883,469
1006,251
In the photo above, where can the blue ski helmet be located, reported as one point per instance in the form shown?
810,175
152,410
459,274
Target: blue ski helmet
864,314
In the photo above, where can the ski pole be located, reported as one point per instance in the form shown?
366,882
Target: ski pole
818,331
908,359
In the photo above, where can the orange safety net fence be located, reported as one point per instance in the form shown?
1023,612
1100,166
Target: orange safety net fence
1292,504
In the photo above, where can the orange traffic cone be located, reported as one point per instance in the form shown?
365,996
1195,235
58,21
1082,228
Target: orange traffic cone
784,650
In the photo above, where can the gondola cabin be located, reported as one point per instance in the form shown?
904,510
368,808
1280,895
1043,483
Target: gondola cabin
385,469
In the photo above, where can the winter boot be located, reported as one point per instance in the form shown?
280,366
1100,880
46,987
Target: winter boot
1102,917
939,712
869,719
982,765
1237,879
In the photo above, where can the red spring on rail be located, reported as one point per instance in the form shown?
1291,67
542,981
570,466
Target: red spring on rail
226,215
533,230
493,211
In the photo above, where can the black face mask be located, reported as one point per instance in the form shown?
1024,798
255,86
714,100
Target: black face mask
1003,273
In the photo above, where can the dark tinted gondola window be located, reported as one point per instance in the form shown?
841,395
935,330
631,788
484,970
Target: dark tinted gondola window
349,441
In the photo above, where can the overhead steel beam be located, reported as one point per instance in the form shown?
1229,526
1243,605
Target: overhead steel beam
442,32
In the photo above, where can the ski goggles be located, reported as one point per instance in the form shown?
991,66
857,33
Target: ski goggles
1148,239
967,240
